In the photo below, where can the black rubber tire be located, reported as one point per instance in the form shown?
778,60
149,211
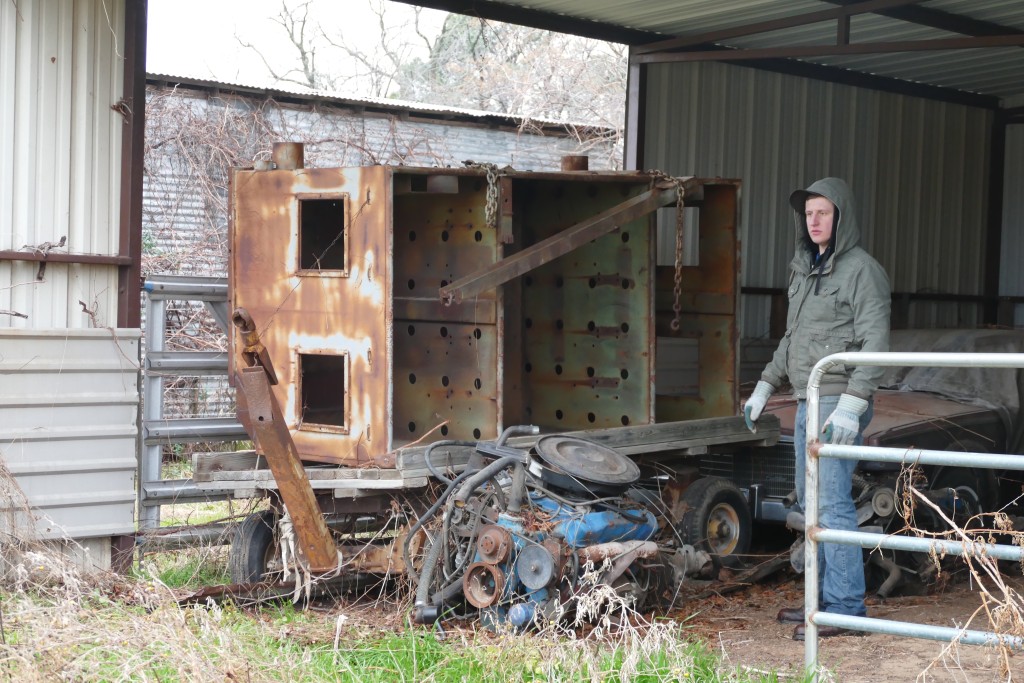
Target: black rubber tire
252,547
717,517
979,481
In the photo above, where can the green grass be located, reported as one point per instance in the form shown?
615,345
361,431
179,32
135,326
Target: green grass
102,638
187,569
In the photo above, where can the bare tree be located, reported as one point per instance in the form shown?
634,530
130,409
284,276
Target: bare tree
294,22
470,62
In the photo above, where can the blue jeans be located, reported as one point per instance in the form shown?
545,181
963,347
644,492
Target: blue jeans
840,567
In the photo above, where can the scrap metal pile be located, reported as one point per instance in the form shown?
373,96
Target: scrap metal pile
522,536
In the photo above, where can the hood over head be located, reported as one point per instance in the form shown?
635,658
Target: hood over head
845,230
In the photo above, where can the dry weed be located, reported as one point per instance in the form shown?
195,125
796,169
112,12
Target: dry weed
1001,609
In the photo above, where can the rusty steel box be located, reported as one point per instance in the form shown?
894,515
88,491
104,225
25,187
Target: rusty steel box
407,305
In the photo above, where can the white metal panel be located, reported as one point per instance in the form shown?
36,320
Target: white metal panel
60,150
68,430
918,169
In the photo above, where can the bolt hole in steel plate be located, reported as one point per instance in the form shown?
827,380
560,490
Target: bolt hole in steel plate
586,461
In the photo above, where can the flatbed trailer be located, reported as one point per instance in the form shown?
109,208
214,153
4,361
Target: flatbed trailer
674,445
391,323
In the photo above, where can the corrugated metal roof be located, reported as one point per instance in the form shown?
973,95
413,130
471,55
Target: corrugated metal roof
989,71
346,99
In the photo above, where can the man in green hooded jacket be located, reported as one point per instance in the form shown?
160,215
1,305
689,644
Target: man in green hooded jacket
839,300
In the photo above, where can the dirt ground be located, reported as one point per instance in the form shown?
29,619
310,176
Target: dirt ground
742,627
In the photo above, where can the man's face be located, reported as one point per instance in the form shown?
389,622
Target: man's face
820,213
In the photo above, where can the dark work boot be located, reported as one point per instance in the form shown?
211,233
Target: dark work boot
790,615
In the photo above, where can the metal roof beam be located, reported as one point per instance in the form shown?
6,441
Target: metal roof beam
548,21
799,51
840,13
940,19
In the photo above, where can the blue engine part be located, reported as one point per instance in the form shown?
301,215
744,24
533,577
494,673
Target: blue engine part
581,529
573,527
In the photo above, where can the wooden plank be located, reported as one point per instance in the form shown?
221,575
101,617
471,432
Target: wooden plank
666,436
358,492
205,464
313,475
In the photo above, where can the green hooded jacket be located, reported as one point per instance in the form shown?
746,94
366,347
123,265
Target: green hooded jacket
841,304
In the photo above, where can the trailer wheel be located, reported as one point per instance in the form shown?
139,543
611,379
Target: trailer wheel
716,517
254,547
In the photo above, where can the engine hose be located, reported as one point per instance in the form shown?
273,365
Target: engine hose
447,593
484,475
517,492
430,449
895,574
423,587
422,520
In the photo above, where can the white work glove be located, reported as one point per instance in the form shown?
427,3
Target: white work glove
843,425
756,402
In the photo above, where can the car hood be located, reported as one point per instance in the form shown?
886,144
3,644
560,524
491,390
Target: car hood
894,410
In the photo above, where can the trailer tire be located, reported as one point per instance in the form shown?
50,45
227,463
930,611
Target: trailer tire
716,518
253,547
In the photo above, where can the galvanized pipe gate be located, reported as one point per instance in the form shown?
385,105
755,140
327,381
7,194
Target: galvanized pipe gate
911,456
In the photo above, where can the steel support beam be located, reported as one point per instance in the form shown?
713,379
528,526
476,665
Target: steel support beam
132,107
994,219
548,21
939,19
840,13
803,51
551,248
313,538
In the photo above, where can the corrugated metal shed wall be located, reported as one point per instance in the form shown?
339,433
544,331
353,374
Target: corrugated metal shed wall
1011,280
60,153
778,133
68,397
68,425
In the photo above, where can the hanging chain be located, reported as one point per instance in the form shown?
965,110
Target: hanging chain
491,200
677,286
677,280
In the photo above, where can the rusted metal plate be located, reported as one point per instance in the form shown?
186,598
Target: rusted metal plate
709,301
342,311
446,359
586,318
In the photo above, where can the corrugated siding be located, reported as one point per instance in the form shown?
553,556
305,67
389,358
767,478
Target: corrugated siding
68,426
918,168
1011,275
60,151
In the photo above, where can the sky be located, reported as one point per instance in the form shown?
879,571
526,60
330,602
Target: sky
197,38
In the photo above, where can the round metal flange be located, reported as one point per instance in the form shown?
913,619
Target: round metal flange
483,584
586,460
883,502
493,543
535,567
